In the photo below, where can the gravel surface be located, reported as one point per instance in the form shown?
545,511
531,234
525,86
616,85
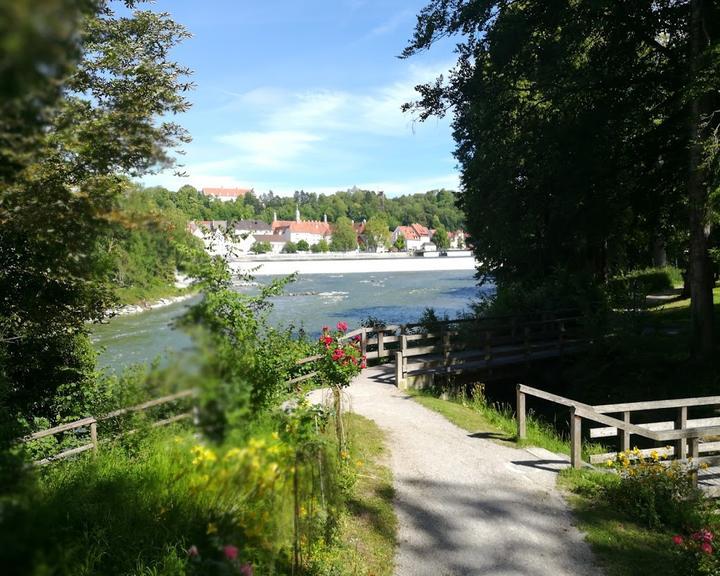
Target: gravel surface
465,504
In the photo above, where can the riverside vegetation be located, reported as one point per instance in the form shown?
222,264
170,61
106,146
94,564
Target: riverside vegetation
256,489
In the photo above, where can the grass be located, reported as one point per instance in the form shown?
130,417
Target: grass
370,526
624,547
138,505
496,422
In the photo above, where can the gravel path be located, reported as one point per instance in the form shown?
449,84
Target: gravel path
465,504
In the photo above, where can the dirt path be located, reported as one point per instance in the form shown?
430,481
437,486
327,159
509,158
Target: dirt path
465,504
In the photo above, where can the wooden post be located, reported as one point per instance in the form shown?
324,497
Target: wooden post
403,343
681,424
623,436
521,414
575,439
363,341
694,449
93,435
196,415
446,346
398,369
381,344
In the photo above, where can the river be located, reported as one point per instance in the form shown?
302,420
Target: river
312,301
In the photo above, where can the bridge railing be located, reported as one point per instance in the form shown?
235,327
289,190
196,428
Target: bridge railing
686,435
474,346
88,427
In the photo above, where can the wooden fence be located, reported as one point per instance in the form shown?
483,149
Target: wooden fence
90,423
686,435
476,347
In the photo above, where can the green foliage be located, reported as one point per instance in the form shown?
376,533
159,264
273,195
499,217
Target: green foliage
290,248
440,238
322,246
656,495
84,115
261,248
344,238
629,290
549,140
400,242
302,246
377,233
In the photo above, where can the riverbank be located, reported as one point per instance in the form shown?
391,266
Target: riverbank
144,306
350,263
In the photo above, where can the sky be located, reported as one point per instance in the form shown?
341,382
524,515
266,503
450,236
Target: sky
306,94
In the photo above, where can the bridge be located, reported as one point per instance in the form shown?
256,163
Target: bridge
422,352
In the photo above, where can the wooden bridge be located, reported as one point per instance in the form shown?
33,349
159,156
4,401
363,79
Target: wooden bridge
481,345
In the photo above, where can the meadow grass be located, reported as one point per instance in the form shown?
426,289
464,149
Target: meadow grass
140,505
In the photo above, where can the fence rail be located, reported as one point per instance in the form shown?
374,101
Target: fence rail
91,422
686,435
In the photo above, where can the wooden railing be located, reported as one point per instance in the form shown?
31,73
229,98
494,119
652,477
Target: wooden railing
686,435
91,423
476,347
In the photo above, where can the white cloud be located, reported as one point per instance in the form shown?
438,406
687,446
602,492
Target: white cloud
272,149
392,23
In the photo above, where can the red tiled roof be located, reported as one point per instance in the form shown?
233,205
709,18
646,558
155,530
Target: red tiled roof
307,227
226,192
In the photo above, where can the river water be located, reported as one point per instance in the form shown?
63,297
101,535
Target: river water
312,301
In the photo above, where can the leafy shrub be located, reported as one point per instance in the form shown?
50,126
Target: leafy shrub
290,248
656,494
629,290
261,248
302,246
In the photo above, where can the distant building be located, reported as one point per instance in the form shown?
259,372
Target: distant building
416,236
458,239
244,232
225,194
312,231
277,242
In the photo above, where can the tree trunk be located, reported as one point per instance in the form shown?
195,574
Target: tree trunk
701,297
659,253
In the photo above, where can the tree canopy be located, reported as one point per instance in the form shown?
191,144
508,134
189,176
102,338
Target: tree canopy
584,134
89,102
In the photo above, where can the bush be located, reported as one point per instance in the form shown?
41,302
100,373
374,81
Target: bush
290,248
655,494
630,290
302,246
261,248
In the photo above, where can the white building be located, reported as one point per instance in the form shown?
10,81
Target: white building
312,231
416,236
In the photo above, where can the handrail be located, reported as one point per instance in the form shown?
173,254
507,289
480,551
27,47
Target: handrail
681,434
92,422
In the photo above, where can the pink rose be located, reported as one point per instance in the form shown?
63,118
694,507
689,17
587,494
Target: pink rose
246,569
231,552
677,539
705,547
326,329
363,365
339,353
193,551
342,326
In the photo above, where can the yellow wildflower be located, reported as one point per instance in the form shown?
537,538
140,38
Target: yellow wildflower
211,528
609,463
275,436
654,455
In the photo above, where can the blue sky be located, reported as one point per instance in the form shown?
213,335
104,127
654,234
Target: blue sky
306,94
